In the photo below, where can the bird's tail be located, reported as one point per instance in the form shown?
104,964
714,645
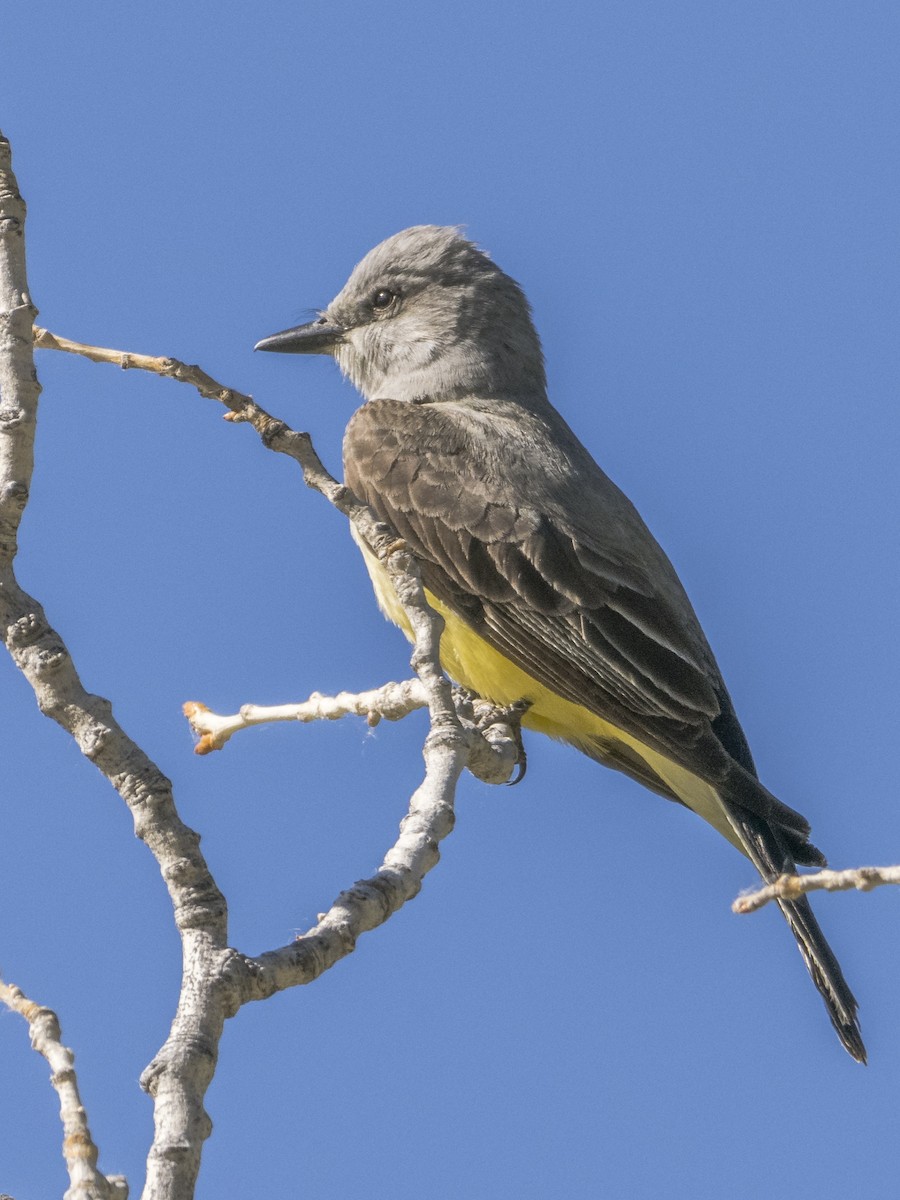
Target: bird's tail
826,974
768,853
774,838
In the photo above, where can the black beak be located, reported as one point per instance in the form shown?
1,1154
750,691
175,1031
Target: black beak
317,337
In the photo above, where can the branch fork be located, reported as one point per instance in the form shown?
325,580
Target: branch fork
218,979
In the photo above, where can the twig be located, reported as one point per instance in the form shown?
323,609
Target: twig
79,1151
392,702
279,437
789,887
494,743
168,368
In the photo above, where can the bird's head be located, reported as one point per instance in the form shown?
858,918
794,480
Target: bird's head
426,315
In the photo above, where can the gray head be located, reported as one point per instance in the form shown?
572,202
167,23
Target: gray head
427,315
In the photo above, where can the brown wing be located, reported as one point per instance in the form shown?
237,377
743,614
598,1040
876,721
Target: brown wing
521,534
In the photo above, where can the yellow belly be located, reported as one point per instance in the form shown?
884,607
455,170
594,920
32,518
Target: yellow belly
472,662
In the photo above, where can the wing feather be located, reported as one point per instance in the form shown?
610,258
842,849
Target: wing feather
553,567
576,611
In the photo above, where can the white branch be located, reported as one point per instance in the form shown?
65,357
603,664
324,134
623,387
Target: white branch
494,745
41,655
789,887
217,979
79,1151
392,702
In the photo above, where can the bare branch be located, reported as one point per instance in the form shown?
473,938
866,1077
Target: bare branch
40,653
370,902
79,1151
168,368
494,743
217,980
392,702
276,435
789,887
19,388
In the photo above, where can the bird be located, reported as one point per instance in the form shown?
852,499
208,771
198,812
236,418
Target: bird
554,593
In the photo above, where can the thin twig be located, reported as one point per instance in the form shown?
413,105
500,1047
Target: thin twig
168,368
789,887
494,743
79,1151
392,702
275,434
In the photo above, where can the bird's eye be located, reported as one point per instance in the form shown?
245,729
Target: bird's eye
382,298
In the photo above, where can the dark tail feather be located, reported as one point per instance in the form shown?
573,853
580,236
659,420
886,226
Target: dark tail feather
770,854
826,974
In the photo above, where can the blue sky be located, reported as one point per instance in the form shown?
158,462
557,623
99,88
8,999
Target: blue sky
701,203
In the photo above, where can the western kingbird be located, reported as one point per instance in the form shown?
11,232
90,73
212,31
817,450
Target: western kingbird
552,588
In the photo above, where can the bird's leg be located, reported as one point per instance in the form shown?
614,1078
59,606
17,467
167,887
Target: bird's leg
497,749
